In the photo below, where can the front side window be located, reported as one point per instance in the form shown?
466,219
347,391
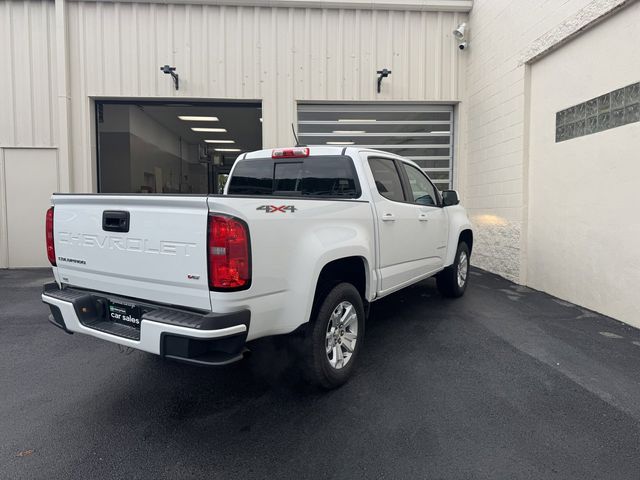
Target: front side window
318,176
422,191
387,178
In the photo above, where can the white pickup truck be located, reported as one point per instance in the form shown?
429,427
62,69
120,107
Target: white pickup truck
301,242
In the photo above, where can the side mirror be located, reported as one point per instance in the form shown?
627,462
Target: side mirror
450,198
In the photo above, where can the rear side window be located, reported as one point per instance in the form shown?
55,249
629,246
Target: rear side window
387,178
252,177
320,176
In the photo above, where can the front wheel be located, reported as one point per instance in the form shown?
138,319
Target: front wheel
452,281
334,337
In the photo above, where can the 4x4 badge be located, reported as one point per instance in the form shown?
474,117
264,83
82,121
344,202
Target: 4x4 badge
274,208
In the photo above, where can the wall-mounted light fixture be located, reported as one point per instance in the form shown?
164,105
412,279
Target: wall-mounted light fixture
384,73
461,34
171,71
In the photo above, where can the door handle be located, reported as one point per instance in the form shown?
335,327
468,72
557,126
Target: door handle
423,217
388,217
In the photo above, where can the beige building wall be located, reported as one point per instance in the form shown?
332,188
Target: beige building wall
276,55
63,55
28,85
28,129
583,218
32,172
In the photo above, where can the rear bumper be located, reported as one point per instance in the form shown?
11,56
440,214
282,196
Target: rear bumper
202,339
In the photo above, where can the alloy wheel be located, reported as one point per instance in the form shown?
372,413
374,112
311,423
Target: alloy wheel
463,269
342,335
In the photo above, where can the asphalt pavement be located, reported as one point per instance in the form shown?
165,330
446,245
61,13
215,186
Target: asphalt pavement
505,382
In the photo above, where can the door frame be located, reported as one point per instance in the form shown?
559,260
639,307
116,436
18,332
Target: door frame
215,171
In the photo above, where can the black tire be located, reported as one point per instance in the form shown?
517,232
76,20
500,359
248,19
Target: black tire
447,280
317,367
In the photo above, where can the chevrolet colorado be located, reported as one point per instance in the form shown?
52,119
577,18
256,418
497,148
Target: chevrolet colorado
302,240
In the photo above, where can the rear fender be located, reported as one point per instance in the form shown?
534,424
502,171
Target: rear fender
339,254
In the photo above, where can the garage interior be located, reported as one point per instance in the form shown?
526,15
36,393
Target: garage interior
171,147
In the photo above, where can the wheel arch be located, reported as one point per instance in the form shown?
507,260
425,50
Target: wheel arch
466,236
460,229
352,269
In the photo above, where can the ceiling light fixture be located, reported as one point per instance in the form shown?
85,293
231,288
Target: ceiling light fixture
447,132
206,129
219,141
347,132
227,149
196,118
340,143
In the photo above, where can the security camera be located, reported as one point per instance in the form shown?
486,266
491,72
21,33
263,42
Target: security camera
462,45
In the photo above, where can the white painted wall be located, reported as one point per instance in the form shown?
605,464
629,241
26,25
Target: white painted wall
583,219
140,144
493,169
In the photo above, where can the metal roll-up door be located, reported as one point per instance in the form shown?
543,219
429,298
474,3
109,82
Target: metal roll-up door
420,132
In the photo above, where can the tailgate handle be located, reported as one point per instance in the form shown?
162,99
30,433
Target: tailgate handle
115,221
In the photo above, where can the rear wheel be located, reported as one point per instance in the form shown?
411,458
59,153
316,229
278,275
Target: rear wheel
334,337
452,281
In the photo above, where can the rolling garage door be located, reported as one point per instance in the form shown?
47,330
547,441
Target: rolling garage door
422,133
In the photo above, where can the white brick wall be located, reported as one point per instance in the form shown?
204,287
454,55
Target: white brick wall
493,174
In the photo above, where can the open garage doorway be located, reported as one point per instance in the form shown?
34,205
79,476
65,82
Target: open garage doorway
172,147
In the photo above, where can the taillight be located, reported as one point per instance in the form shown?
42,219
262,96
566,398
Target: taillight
297,152
51,249
228,253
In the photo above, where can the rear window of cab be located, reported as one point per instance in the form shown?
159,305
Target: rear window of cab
318,176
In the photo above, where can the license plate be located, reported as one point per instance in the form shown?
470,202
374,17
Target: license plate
125,313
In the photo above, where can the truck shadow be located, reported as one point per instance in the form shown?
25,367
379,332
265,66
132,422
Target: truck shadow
182,392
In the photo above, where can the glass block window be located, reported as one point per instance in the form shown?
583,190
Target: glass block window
420,132
613,109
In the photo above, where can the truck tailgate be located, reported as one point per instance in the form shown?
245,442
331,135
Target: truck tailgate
140,246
